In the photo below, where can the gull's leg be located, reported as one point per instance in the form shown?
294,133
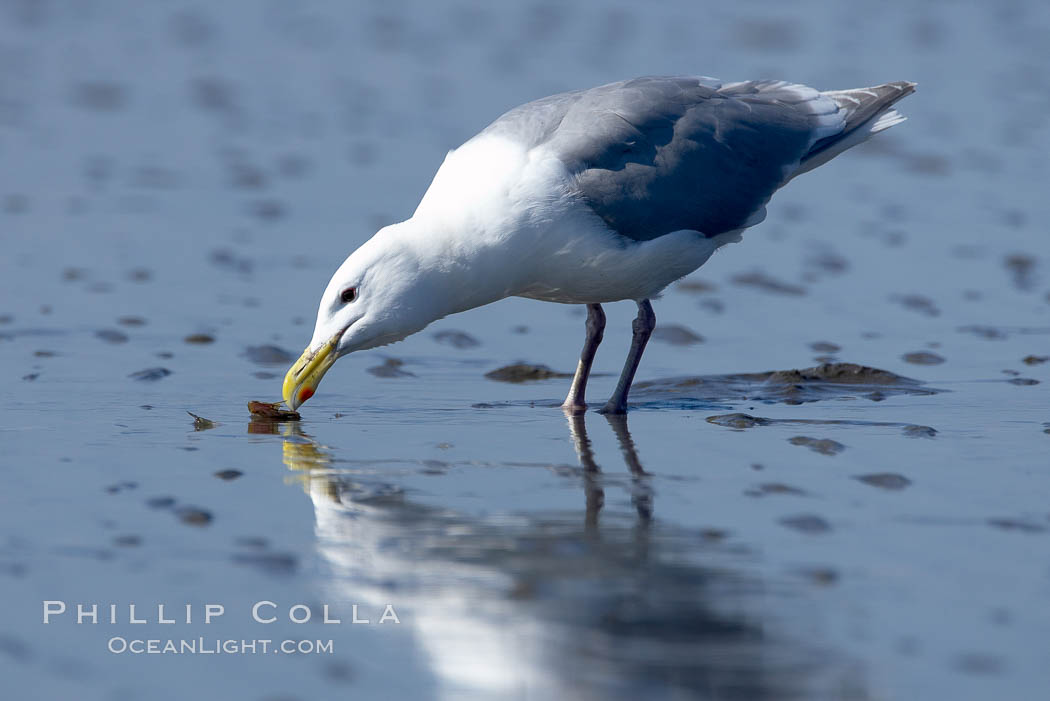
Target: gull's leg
643,326
595,329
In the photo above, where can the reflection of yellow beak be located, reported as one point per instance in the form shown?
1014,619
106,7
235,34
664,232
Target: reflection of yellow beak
303,377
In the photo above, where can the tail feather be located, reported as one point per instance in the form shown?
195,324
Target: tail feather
867,111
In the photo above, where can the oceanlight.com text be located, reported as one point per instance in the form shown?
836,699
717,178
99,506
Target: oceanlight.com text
216,646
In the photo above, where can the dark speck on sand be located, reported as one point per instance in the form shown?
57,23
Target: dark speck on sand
268,355
923,358
160,502
456,339
524,372
774,488
193,516
739,421
885,480
1012,524
917,303
112,336
917,431
824,446
806,523
150,374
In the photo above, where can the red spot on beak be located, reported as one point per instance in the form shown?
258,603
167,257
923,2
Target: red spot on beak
304,394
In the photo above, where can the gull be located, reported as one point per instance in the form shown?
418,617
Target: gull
588,197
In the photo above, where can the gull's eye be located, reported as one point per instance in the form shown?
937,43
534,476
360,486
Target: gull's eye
348,295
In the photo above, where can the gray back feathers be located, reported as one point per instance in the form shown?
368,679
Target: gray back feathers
655,155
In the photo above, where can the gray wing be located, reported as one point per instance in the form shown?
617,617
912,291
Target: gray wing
655,155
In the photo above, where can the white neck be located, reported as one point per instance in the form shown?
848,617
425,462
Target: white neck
454,272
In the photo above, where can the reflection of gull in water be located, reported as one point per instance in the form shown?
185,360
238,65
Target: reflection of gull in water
553,606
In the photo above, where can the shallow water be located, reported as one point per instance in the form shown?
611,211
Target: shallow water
180,182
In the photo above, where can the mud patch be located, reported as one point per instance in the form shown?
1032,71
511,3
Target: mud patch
1000,333
770,488
150,374
1012,524
743,421
917,303
890,481
827,381
824,446
1022,270
524,372
922,358
739,421
917,431
111,336
193,516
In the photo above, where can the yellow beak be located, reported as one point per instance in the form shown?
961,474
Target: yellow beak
303,377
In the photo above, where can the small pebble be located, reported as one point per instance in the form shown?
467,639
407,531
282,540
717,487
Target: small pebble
922,358
193,516
806,523
112,336
150,374
737,420
825,347
160,502
885,480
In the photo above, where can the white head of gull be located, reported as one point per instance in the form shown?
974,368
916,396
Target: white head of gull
588,197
